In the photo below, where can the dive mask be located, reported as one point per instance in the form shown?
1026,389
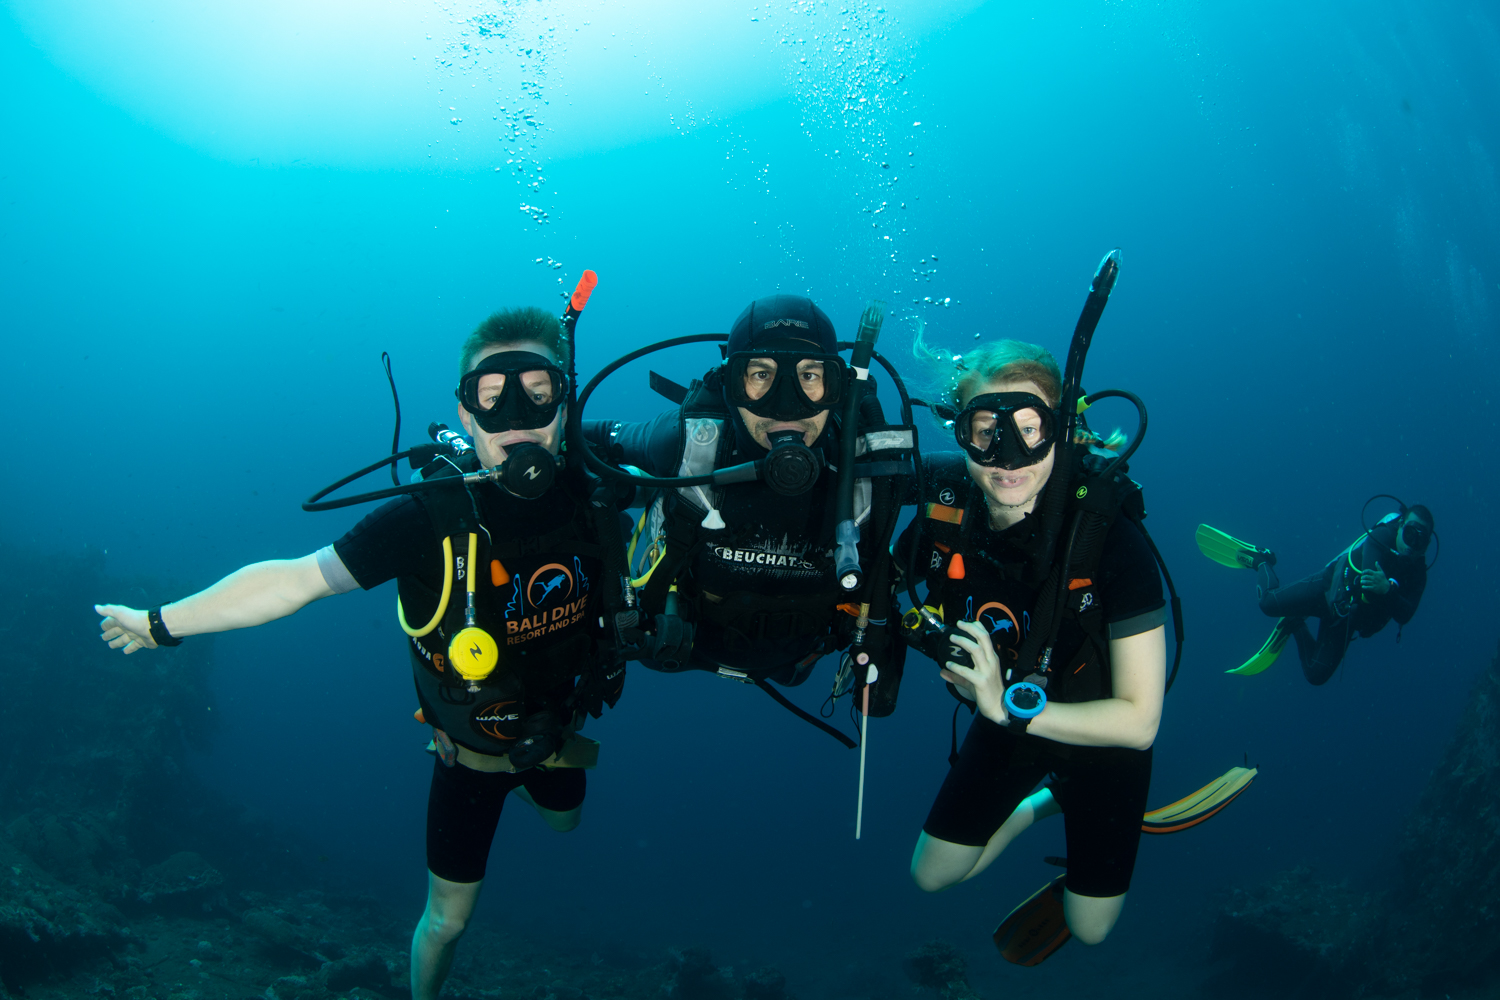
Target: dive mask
785,385
513,391
1416,534
1008,430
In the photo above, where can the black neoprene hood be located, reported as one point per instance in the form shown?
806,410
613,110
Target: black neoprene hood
782,322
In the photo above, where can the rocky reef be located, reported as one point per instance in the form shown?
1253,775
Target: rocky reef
1435,933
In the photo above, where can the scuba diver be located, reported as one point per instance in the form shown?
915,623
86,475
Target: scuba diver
1045,608
1380,576
498,564
981,550
751,542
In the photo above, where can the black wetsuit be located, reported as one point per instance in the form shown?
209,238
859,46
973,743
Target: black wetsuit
397,540
763,591
1102,790
1333,597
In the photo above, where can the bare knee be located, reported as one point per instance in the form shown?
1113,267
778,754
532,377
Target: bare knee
928,880
562,822
443,928
1091,918
1092,935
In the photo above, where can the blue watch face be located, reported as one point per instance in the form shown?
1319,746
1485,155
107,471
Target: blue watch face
1025,700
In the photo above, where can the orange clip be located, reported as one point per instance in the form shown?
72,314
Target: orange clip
956,566
499,576
1077,582
419,717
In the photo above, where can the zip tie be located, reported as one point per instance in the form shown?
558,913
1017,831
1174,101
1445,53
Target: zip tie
860,373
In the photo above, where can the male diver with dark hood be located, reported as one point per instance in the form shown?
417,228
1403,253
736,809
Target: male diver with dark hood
1380,576
740,576
499,578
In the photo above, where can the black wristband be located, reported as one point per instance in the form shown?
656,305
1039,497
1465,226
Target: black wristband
159,633
1016,724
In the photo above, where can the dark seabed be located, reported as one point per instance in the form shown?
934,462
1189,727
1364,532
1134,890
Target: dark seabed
213,221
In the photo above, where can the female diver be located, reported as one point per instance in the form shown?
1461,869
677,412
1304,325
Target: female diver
1089,749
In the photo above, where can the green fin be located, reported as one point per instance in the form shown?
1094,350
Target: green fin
1268,653
1201,805
1036,928
1226,550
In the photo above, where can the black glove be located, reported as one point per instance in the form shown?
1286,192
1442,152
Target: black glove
600,686
541,738
888,653
671,643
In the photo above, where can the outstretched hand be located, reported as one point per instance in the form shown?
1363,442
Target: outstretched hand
125,628
981,683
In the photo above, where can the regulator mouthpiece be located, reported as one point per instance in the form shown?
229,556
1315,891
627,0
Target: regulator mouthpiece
528,471
792,467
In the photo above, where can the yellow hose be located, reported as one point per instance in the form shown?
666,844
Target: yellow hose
442,608
640,581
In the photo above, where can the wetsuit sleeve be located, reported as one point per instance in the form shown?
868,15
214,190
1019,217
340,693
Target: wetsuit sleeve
651,445
396,539
1131,586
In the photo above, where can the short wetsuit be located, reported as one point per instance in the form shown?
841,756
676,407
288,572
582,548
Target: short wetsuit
1102,790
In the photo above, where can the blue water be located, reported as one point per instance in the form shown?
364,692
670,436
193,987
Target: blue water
200,271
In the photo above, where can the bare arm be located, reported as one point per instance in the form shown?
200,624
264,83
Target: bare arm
253,595
1129,719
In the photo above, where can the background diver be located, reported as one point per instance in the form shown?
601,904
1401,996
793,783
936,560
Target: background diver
495,731
1381,575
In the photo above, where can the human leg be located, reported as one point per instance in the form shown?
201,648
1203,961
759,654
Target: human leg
556,795
1103,796
435,941
982,806
463,809
1321,657
1303,599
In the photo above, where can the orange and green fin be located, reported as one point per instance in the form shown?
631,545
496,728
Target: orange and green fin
1036,928
1201,805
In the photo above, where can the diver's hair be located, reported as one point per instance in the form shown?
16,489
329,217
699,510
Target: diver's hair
961,375
1423,513
512,326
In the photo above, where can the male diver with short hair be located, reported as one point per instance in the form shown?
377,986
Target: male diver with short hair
1061,650
485,577
739,577
1380,576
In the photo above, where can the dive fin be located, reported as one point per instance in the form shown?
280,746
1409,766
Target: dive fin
1036,928
1267,653
1226,550
1200,805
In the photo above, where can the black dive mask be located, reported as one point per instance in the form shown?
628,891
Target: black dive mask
513,391
1007,430
786,392
1416,534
